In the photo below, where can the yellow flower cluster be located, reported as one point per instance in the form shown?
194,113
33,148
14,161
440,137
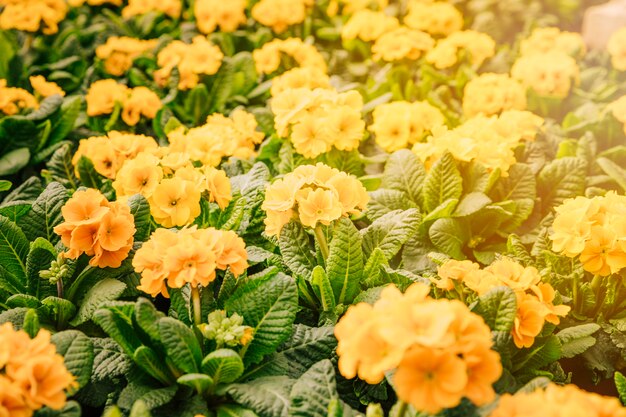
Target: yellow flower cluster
549,74
228,15
594,229
32,373
96,227
12,99
118,53
400,124
487,140
172,185
478,46
267,59
45,88
558,401
171,8
220,137
192,60
534,298
318,120
441,350
108,153
436,18
368,25
31,15
188,256
618,110
280,14
617,49
546,40
491,94
402,43
301,77
349,7
78,3
136,102
313,194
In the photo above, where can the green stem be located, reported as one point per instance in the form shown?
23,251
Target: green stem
402,408
60,287
321,241
197,308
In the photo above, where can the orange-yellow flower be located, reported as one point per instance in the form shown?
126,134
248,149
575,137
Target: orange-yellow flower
175,202
45,88
217,184
529,321
318,206
141,102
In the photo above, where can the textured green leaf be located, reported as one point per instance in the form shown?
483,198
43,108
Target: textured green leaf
140,209
470,204
45,214
540,356
61,168
101,293
576,340
181,344
146,319
14,210
371,271
561,179
70,109
443,182
109,362
13,161
449,236
223,365
295,249
87,173
152,397
268,304
404,172
78,355
140,409
13,252
40,256
118,327
267,396
498,308
323,288
229,410
31,323
199,382
620,384
384,201
617,173
520,183
152,364
344,265
222,87
390,232
313,391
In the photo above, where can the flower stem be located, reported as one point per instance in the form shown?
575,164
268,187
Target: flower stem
60,287
197,308
402,408
321,241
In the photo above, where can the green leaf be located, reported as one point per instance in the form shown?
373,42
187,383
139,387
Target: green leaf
146,319
31,323
268,304
267,396
109,362
199,382
470,204
87,173
98,296
384,201
61,168
221,88
13,252
195,104
23,300
443,182
70,409
45,214
345,261
140,209
118,326
17,132
295,249
13,161
60,309
313,391
520,183
516,248
78,355
152,397
620,384
449,236
323,288
70,109
498,308
576,340
46,108
223,366
14,210
181,344
540,356
140,409
371,271
306,346
40,256
617,173
152,364
561,179
390,232
5,185
229,410
404,172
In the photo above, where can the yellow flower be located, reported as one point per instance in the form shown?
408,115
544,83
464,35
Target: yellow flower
318,206
141,101
13,99
45,88
175,202
452,271
529,320
617,49
305,77
550,74
217,184
192,60
139,175
33,15
491,94
478,46
267,59
514,275
352,194
136,7
103,95
402,43
368,25
228,15
551,39
436,18
280,14
118,53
